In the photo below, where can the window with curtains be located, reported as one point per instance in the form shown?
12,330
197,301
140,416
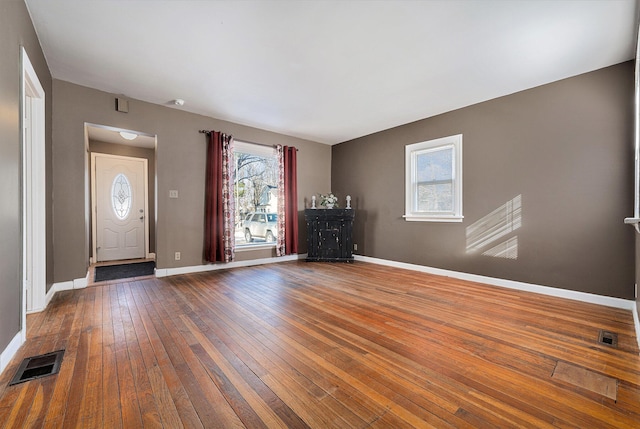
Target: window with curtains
256,194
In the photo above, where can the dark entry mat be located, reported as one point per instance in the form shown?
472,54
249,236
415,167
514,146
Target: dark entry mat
124,271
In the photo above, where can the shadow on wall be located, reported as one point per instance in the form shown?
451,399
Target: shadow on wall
483,234
360,230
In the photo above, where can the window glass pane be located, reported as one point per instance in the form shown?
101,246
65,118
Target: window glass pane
256,195
121,196
435,197
435,165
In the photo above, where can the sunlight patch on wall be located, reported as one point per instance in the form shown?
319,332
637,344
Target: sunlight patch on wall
507,249
494,227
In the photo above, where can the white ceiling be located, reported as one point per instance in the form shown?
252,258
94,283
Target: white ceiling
328,71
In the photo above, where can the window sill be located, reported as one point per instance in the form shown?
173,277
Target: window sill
250,247
633,221
418,218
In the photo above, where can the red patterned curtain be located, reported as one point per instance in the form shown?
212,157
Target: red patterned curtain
287,243
219,241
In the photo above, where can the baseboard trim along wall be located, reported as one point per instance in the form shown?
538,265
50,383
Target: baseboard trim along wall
12,348
511,284
636,322
164,272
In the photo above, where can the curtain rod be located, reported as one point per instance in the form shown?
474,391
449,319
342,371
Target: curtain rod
243,141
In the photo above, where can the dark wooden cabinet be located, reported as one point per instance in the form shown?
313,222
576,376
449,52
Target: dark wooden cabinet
329,234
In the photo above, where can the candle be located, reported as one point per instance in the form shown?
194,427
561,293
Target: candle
348,201
313,201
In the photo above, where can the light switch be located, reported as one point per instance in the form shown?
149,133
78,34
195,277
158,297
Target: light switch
173,194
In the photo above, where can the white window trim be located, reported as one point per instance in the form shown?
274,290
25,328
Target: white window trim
263,151
410,156
253,148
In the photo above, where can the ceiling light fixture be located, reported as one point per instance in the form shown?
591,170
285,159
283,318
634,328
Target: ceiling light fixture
178,102
128,136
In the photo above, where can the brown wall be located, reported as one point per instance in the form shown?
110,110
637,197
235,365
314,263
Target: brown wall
180,163
566,148
135,152
16,30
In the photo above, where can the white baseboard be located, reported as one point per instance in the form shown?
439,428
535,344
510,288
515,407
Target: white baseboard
636,322
81,283
12,348
608,301
19,339
164,272
68,285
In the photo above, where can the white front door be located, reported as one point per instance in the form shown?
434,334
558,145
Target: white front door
120,207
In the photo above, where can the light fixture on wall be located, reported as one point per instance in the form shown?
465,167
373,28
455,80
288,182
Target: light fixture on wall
128,136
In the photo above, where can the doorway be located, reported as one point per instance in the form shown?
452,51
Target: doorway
121,195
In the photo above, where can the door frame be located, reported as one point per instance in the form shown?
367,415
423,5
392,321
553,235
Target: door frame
33,190
94,206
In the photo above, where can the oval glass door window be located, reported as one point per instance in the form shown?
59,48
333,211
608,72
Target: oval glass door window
121,196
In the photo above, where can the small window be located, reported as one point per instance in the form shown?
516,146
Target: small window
121,196
434,180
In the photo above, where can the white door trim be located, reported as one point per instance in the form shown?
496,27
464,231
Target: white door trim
34,260
94,207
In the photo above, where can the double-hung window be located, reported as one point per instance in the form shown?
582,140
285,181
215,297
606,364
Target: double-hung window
433,184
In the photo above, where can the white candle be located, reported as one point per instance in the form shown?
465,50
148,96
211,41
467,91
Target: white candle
313,201
348,201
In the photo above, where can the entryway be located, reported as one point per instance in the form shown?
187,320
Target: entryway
122,172
120,207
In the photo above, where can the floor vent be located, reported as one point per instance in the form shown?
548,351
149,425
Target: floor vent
608,338
38,366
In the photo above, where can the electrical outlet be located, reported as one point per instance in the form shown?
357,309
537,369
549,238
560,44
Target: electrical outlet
355,246
173,194
177,256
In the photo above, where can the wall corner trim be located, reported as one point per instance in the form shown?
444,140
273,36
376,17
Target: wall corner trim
81,283
12,348
68,285
591,298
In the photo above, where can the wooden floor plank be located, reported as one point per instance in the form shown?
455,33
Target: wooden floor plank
302,345
210,404
175,408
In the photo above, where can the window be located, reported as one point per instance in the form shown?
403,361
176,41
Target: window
256,194
434,180
121,196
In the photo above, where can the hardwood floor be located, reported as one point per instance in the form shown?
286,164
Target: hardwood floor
321,345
